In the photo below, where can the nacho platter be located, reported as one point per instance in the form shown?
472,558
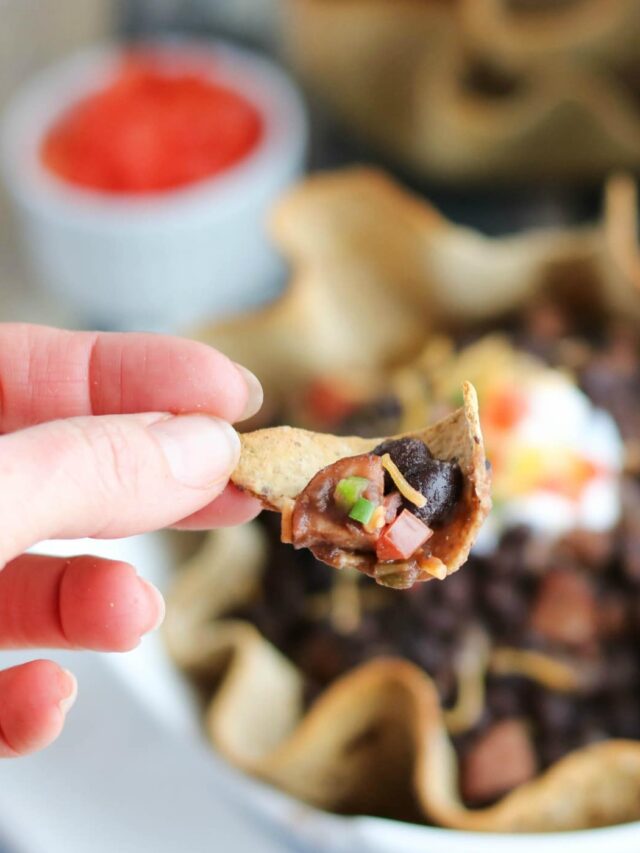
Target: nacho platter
385,738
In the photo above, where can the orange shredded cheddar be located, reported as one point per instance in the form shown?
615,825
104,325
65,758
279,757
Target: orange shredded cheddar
405,489
470,666
551,673
434,567
376,522
286,524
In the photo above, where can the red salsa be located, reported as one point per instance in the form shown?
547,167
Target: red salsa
152,128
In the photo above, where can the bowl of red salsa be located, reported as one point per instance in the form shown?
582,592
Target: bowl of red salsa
142,176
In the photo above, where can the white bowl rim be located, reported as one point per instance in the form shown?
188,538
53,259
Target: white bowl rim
287,811
45,95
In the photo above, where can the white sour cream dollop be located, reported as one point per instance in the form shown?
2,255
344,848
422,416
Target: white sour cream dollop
556,458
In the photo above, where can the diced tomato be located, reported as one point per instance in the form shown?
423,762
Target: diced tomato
327,402
504,408
402,538
575,477
391,503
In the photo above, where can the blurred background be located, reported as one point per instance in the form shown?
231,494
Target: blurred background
143,144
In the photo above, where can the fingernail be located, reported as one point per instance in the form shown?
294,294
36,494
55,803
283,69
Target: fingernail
255,395
156,604
67,703
199,449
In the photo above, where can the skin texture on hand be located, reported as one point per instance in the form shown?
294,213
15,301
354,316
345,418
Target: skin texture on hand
101,435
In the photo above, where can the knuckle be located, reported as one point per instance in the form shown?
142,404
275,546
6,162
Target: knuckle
113,457
115,465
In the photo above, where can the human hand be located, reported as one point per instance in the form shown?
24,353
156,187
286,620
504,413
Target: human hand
87,449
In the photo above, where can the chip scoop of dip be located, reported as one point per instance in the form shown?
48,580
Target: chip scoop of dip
402,509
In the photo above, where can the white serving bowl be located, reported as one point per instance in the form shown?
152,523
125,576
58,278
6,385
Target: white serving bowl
164,260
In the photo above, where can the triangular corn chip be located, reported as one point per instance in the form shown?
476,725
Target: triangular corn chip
277,464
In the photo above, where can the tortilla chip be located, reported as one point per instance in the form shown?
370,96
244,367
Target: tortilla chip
323,320
277,464
375,742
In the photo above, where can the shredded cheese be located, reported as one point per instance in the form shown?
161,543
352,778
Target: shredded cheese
546,670
322,605
404,488
376,522
435,567
470,666
345,609
286,523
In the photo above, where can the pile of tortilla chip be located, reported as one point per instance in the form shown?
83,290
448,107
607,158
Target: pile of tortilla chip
479,90
378,274
376,742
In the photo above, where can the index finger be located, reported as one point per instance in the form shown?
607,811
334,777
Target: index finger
46,374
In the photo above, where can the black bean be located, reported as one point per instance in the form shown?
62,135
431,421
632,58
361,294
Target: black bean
623,715
407,453
441,484
506,607
506,696
554,712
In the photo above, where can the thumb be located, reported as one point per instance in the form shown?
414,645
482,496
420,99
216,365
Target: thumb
109,476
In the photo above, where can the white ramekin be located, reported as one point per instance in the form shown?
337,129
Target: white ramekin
158,261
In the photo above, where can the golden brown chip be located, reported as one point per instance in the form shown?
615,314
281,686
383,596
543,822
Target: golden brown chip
362,248
324,319
277,464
